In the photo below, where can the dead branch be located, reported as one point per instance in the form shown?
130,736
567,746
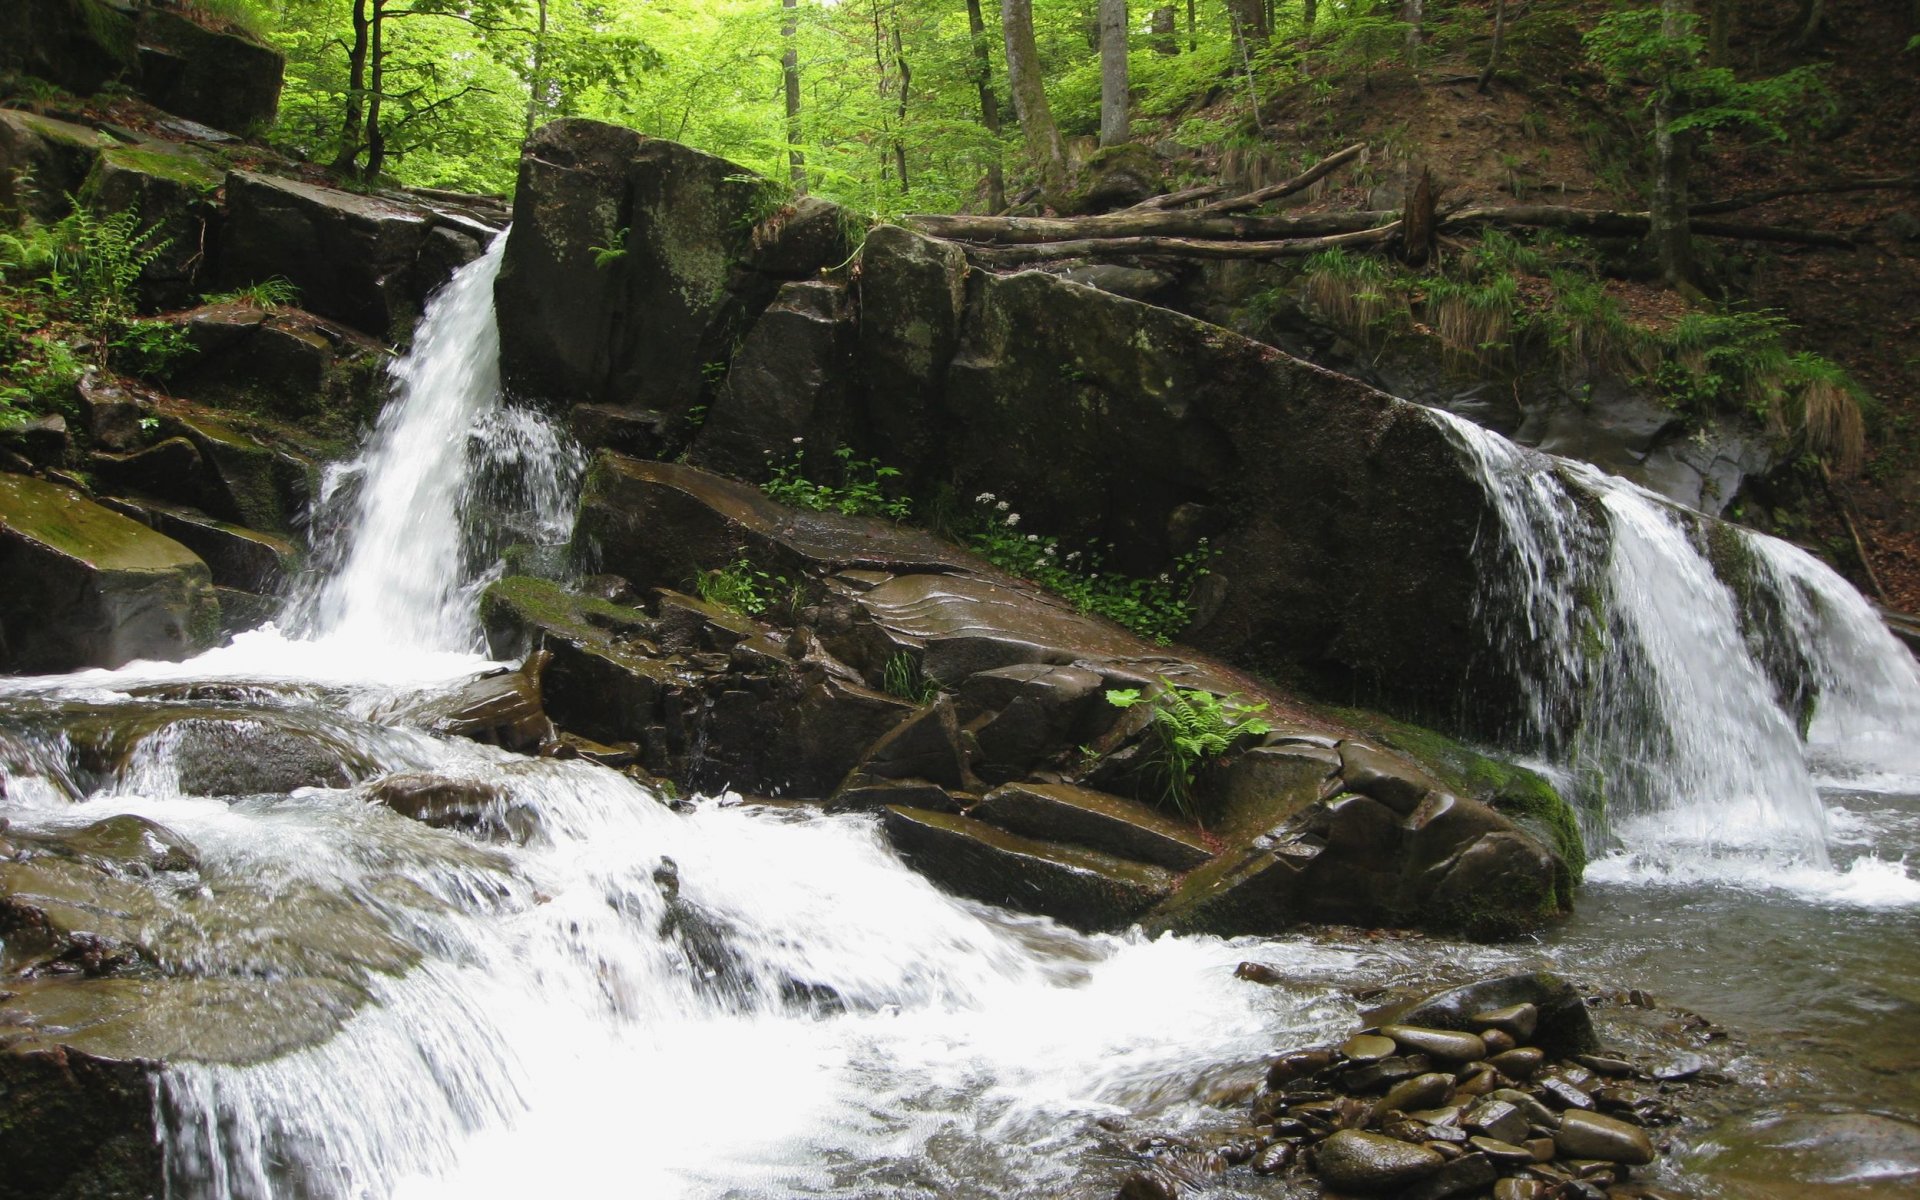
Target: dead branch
1305,179
1142,223
1175,247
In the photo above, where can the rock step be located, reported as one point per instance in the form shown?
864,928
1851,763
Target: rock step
1082,888
1096,820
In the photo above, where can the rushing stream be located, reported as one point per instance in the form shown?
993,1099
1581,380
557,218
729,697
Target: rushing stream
736,1000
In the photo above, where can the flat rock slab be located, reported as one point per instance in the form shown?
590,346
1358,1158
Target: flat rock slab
1096,820
1081,888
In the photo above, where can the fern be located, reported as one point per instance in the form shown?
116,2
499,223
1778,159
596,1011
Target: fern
1191,727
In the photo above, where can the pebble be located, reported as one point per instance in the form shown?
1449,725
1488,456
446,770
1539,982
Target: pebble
1258,972
1603,1065
1501,1152
1519,1189
1370,1162
1480,1079
1422,1091
1297,1065
1498,1120
1590,1135
1368,1047
1517,1020
1373,1076
1275,1158
1444,1044
1537,1113
1498,1041
1518,1064
1149,1185
1683,1066
1470,1175
1543,1149
1559,1091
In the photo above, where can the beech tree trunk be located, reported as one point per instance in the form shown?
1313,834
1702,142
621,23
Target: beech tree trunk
1160,30
1668,235
1113,72
1249,19
1499,44
1414,13
1044,149
905,73
376,80
537,61
989,104
356,92
1719,31
790,81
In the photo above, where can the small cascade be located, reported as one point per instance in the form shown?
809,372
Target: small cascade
1670,673
409,528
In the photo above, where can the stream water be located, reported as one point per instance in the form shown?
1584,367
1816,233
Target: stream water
735,1001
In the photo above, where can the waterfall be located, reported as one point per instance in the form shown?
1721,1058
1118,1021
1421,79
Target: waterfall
1668,674
401,544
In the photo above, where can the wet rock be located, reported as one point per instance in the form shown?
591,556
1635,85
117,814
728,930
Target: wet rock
1468,1175
1497,1119
1563,1027
246,758
237,557
169,470
1297,1064
328,378
1590,1135
42,441
1368,1047
500,708
110,415
1062,813
1081,888
1440,1043
1422,1091
703,256
1519,1189
1275,1158
1266,785
1022,715
130,841
1370,1163
447,803
1517,1021
787,384
170,186
78,1124
55,155
88,587
1520,1062
865,793
222,78
925,745
1386,778
634,432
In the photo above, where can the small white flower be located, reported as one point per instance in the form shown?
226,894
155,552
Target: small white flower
1073,556
1033,537
1012,518
1051,551
1002,506
798,440
984,498
1165,578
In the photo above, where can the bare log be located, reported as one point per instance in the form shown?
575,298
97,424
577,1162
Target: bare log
1175,247
1305,179
1622,224
1754,199
1197,223
1176,199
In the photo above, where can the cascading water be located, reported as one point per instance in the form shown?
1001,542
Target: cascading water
600,994
396,520
1667,694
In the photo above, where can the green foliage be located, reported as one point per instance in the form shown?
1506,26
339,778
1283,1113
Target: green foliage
902,676
1154,608
742,587
269,295
861,490
1357,292
606,256
1190,728
1631,46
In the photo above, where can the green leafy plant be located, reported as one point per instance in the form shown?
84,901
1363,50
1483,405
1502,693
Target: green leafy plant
902,676
741,586
1190,728
1155,608
268,295
606,256
861,490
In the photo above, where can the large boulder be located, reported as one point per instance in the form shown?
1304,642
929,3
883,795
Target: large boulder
42,161
223,78
369,261
87,587
635,266
171,187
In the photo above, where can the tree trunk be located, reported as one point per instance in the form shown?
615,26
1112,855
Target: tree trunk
1668,235
1309,9
356,92
1193,40
1113,72
905,73
790,81
989,104
1249,18
537,61
1414,13
376,80
1816,19
1161,31
1418,224
1499,44
1178,247
1024,231
1044,150
1719,31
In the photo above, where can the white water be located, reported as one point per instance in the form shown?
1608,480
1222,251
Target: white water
1648,682
556,1035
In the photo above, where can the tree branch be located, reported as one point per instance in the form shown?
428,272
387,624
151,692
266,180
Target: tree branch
1174,247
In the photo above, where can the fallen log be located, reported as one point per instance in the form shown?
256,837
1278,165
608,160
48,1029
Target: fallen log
1754,199
1016,255
1176,199
1142,223
1300,182
1622,224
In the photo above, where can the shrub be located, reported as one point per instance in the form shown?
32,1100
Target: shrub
1190,727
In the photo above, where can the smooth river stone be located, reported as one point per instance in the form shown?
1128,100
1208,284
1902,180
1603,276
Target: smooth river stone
1368,1047
1518,1064
1499,1151
1498,1120
1370,1162
1297,1064
1519,1189
1517,1020
1411,1095
1590,1135
1444,1044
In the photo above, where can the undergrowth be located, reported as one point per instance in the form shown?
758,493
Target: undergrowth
1155,608
742,587
861,489
1190,727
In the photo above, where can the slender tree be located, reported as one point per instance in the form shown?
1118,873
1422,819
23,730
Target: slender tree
790,81
1113,72
1669,235
1499,44
989,104
536,64
1160,27
1044,148
356,92
1719,31
1414,13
